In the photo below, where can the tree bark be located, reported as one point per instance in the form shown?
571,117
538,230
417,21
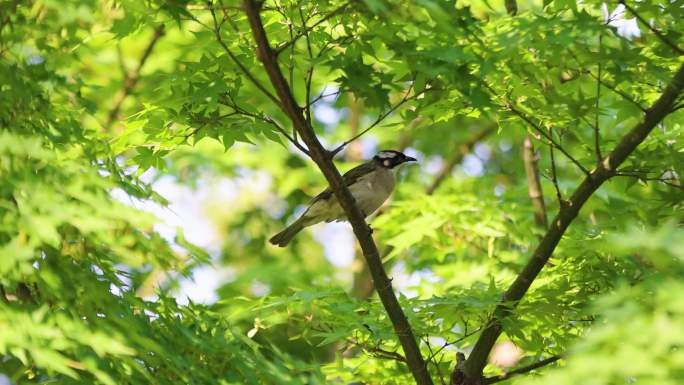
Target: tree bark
474,365
323,160
533,185
362,286
511,7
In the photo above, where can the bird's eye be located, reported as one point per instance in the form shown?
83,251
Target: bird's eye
386,163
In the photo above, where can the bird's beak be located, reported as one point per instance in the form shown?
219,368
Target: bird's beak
410,159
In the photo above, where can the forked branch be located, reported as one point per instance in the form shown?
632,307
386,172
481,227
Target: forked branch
217,32
305,30
380,118
471,373
509,105
523,370
648,25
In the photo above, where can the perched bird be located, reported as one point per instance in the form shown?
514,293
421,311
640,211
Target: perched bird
370,184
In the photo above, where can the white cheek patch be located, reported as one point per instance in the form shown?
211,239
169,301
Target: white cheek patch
386,162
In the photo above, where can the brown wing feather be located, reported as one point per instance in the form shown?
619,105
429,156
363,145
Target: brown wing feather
349,178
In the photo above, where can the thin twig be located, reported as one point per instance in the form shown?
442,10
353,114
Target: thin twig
554,176
606,84
309,71
208,7
551,141
120,57
672,182
648,25
386,354
472,370
292,139
331,44
306,29
454,342
524,369
533,184
511,107
597,145
430,359
376,351
130,80
3,295
322,96
511,7
379,119
248,74
233,24
619,92
402,328
290,65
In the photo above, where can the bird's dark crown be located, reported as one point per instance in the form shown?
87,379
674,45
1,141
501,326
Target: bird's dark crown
391,158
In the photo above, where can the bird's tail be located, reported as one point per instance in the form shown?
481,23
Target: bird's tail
284,237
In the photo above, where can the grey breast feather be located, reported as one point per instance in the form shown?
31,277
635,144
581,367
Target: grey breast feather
373,189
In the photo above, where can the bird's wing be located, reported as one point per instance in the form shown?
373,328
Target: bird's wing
349,178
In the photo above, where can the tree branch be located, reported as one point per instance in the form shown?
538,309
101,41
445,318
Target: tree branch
465,335
362,283
472,371
309,71
431,359
660,36
446,170
677,107
387,354
597,145
541,132
511,7
239,110
524,369
323,160
554,176
464,149
603,83
617,91
306,29
533,185
511,107
380,118
434,354
3,295
248,74
376,351
130,80
672,182
323,95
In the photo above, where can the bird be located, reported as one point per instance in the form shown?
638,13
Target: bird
370,184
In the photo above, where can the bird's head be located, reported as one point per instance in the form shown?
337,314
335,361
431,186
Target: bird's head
391,159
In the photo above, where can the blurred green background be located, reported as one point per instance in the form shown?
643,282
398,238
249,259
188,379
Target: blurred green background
143,170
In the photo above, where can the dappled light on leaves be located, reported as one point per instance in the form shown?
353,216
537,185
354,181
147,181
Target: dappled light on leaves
149,150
